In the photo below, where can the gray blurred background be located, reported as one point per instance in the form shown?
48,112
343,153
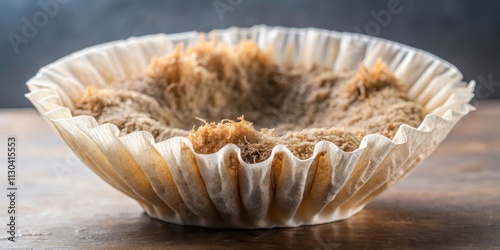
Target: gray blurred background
465,33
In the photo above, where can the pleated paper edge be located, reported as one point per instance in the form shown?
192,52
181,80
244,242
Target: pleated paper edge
49,103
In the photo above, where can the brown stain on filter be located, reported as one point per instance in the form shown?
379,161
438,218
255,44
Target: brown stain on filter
293,106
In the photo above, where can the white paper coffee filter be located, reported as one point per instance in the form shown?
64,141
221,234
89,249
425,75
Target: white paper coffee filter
175,184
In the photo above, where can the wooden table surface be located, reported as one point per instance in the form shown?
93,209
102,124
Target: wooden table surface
452,200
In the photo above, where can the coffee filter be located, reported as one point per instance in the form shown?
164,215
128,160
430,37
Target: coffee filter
175,184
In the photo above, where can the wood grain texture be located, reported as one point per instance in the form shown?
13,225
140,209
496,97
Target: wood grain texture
452,200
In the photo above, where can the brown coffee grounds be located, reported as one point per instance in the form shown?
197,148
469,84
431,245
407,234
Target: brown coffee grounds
292,106
257,146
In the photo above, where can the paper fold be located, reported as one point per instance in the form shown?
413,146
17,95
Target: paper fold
175,184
